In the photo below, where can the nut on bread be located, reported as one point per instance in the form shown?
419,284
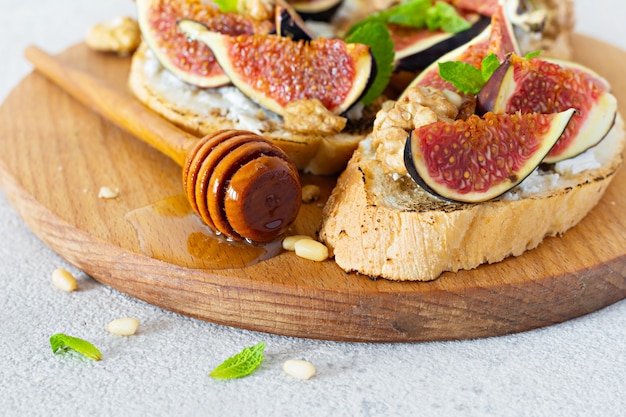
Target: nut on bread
384,227
202,112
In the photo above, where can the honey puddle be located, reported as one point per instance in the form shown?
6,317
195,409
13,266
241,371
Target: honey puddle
170,231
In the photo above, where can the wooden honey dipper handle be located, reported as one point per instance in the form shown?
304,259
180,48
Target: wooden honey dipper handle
240,184
119,107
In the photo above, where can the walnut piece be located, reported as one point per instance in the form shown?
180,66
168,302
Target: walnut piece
310,116
421,106
256,9
120,35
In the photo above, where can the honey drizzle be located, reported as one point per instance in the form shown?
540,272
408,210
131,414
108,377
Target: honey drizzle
170,231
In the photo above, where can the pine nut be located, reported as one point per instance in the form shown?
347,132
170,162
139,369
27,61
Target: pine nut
299,369
124,327
290,241
108,192
310,193
64,280
311,249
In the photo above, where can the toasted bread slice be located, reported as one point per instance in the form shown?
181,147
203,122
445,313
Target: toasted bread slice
384,227
203,111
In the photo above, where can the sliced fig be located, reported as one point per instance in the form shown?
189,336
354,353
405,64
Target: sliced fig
191,61
275,71
290,24
318,10
536,85
484,7
415,49
478,159
497,38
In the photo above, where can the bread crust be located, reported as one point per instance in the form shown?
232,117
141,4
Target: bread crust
312,153
372,228
322,154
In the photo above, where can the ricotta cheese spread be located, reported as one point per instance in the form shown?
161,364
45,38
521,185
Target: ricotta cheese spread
226,101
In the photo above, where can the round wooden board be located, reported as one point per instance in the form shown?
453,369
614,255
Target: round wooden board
57,154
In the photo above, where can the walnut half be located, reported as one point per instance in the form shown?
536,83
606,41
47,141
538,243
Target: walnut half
310,116
121,36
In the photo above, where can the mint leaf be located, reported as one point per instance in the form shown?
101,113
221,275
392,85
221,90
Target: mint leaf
489,65
467,78
377,37
240,365
418,14
412,13
533,54
226,5
62,343
445,17
464,77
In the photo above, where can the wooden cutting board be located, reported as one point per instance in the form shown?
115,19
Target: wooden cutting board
56,155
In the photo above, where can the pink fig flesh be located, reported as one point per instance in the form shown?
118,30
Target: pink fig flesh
478,159
529,86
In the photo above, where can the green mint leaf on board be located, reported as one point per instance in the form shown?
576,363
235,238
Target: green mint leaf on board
62,343
489,65
464,77
533,54
445,17
226,5
377,37
240,365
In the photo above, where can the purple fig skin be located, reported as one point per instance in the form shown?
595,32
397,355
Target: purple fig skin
370,81
365,67
421,56
486,99
289,23
418,164
584,90
323,14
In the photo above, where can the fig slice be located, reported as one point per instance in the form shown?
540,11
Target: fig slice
275,71
318,10
484,7
289,23
415,49
479,159
536,85
498,38
190,61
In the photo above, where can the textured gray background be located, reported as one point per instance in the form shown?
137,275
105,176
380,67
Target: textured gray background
577,368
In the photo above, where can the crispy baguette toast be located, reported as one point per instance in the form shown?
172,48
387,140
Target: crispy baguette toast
382,227
203,111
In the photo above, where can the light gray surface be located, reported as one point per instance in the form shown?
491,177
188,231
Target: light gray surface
577,368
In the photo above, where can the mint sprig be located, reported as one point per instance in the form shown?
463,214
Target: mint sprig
532,54
240,365
418,14
467,78
62,343
226,5
488,66
445,17
377,37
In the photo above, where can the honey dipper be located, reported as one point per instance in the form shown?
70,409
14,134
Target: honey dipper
240,184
